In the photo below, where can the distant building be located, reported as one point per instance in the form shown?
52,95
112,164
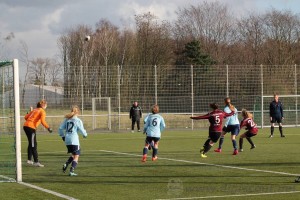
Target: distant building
34,93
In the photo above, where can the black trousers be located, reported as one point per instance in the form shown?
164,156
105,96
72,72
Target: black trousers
137,121
32,143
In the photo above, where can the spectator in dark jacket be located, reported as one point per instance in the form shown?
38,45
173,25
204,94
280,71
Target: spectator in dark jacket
276,115
135,115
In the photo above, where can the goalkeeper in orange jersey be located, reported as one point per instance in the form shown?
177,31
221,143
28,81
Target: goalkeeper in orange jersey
33,119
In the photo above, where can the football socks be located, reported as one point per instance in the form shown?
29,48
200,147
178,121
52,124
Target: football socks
221,142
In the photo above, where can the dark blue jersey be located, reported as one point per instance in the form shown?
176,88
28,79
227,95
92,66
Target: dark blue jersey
276,109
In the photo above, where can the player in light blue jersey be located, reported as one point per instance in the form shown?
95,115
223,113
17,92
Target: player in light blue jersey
232,125
69,130
155,124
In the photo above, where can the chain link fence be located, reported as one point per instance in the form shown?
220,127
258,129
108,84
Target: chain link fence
180,91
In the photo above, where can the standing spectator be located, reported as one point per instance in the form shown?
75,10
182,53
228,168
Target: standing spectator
276,114
68,130
251,128
155,124
33,120
135,114
215,119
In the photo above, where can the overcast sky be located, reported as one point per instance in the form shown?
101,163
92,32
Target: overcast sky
39,23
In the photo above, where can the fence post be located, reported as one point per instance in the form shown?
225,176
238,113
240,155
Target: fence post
296,94
81,81
119,97
227,82
192,93
155,80
262,95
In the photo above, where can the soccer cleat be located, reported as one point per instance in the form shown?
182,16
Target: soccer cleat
235,152
64,168
139,130
241,150
29,162
218,150
203,155
297,180
282,135
154,158
72,174
144,158
253,147
132,131
202,150
38,164
270,136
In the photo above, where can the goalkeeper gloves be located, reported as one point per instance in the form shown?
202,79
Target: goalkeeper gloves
63,138
50,130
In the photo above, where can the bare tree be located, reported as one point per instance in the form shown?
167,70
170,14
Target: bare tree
153,40
24,58
209,23
251,34
106,38
282,34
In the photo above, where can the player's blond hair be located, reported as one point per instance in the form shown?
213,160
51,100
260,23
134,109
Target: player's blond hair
74,111
155,109
246,114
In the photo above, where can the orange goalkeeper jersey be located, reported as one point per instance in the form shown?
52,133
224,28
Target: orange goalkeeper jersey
35,117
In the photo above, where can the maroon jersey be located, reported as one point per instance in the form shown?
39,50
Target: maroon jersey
250,125
215,119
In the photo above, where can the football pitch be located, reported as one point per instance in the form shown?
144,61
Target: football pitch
110,167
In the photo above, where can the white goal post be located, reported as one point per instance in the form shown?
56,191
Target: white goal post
101,109
10,122
290,110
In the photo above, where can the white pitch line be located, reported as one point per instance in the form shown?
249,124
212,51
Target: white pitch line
233,195
224,166
48,191
7,178
209,164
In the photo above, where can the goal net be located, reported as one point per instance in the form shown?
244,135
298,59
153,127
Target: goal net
10,139
101,115
290,110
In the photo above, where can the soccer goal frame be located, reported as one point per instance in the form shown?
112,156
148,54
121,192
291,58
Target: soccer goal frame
15,129
95,114
288,108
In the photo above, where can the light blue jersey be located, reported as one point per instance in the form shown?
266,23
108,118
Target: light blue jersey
69,129
232,120
155,124
145,119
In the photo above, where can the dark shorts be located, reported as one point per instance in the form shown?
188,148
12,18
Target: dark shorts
73,149
233,129
150,139
214,136
276,119
249,134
